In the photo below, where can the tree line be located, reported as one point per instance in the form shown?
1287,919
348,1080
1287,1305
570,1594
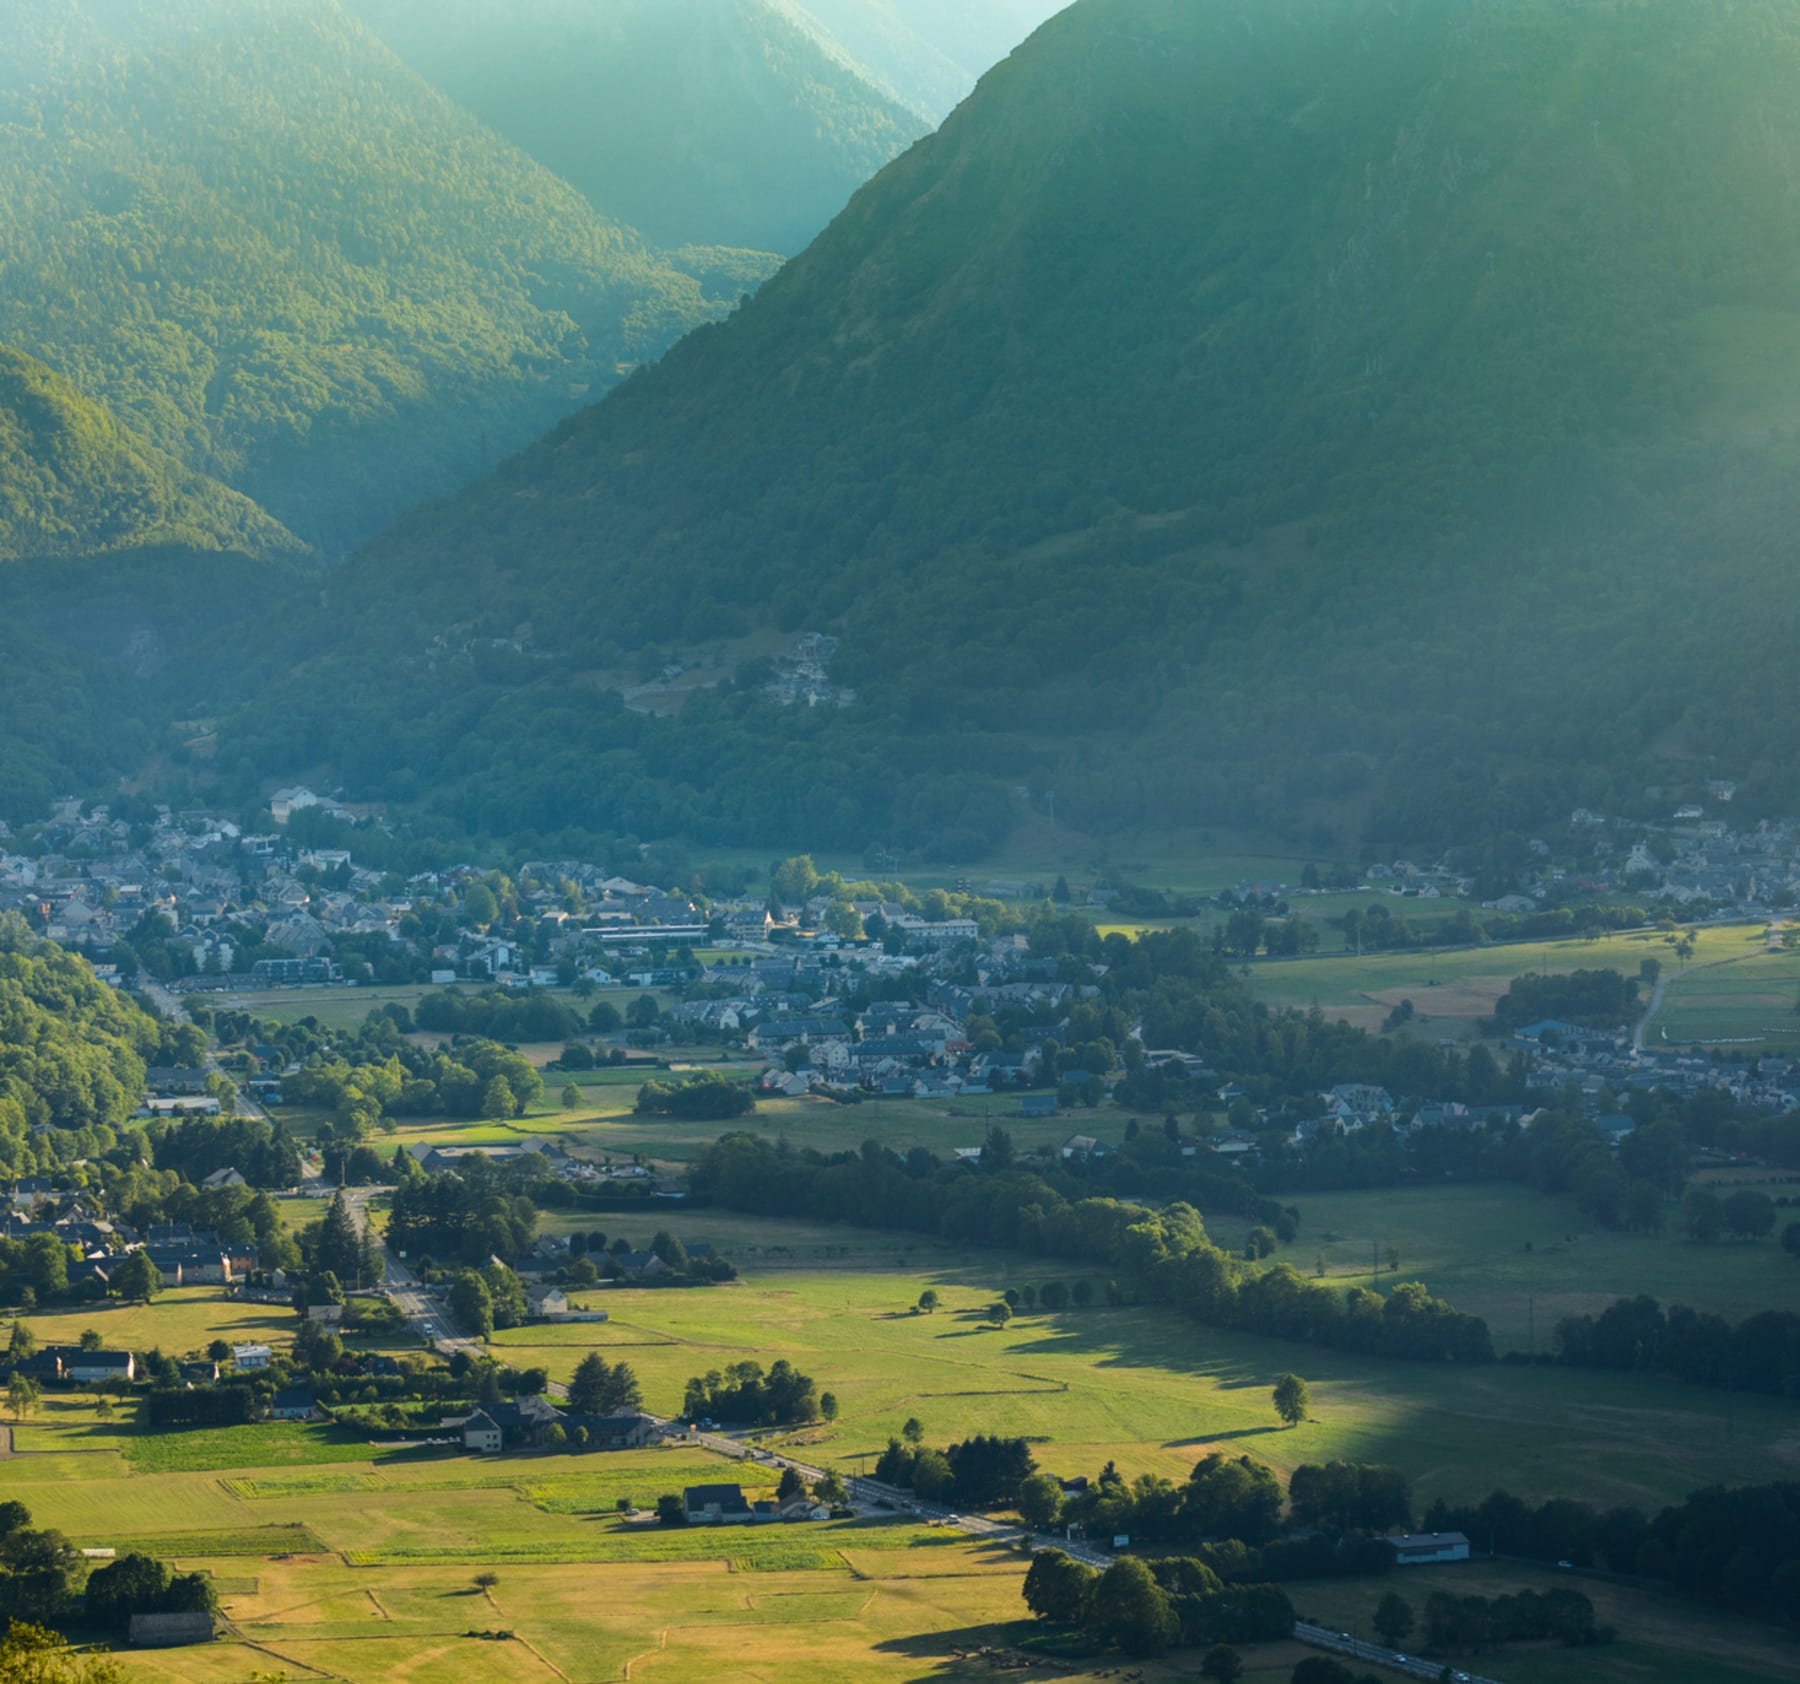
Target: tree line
1164,1253
1738,1547
1759,1354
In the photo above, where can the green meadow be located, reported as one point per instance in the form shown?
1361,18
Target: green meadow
1519,1258
1153,1392
339,1559
1452,989
604,1125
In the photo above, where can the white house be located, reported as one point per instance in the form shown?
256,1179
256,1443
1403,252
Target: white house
1420,1549
250,1356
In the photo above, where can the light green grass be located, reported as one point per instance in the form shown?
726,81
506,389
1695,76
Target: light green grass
1153,1392
1519,1258
1747,1003
265,1445
604,1126
1451,989
179,1321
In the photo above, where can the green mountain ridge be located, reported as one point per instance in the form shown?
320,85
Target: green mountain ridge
283,259
74,481
722,122
1363,419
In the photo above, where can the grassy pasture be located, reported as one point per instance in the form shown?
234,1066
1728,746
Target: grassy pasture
1450,989
180,1320
1469,1244
604,1125
669,1622
1749,1002
1153,1392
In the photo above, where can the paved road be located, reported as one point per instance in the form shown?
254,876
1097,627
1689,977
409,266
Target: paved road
172,1007
1342,1643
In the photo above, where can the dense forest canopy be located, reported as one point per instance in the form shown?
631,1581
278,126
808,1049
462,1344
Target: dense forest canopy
72,1054
283,259
711,122
74,481
1391,400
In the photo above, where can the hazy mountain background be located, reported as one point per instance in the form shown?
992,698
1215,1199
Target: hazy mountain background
1365,415
928,54
715,122
287,262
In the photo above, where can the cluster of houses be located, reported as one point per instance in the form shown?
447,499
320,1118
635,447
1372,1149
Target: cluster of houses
183,1257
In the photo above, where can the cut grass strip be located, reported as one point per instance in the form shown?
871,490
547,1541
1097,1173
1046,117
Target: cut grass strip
291,1539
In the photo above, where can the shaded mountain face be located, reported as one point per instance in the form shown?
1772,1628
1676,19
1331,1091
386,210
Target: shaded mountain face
1377,413
74,481
701,122
287,262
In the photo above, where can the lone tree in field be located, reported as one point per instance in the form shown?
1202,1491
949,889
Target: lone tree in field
1393,1619
914,1431
1000,1314
1292,1400
928,1301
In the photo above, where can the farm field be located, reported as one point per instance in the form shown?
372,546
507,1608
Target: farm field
1495,1249
337,1559
179,1321
1153,1392
1660,1641
604,1125
1747,1003
1451,989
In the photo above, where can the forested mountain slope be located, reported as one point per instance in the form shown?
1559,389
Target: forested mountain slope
286,261
929,53
1238,408
72,480
701,122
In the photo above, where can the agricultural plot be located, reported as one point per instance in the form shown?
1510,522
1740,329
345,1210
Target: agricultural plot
178,1321
1153,1392
1452,990
673,1623
1749,1003
1521,1259
605,1126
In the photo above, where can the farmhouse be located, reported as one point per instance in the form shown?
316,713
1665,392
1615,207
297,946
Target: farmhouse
715,1505
1419,1549
294,1403
250,1356
481,1433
